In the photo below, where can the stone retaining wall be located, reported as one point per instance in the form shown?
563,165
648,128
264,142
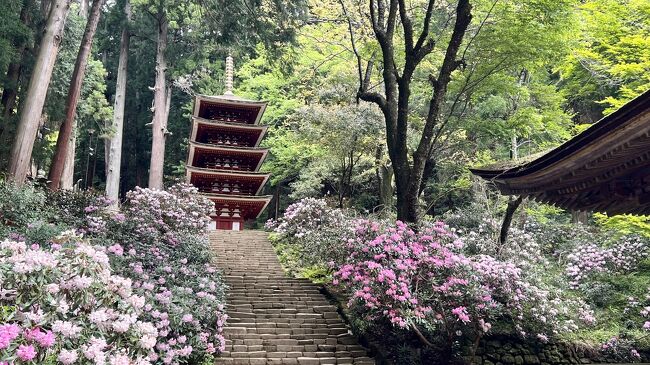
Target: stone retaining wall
512,351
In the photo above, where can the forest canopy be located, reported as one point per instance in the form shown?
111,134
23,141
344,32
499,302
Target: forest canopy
527,75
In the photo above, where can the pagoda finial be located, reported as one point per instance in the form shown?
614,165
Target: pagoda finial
230,68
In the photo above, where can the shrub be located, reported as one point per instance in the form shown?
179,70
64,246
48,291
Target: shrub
70,205
315,229
620,349
625,223
587,261
167,215
158,244
67,304
159,240
421,279
20,205
184,297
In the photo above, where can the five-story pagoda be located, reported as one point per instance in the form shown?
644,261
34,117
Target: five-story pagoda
225,157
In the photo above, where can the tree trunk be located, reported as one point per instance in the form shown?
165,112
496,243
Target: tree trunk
513,204
67,178
115,142
65,133
9,95
579,217
11,86
159,123
35,99
394,104
83,8
11,89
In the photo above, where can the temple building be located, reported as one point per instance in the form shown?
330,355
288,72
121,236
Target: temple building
604,169
224,155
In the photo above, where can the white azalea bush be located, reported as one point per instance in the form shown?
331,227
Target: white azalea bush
184,299
315,230
64,303
157,243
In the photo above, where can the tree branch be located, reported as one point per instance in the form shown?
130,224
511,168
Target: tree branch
373,97
352,41
407,26
420,336
449,64
487,16
425,26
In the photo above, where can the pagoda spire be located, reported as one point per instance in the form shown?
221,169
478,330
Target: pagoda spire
230,68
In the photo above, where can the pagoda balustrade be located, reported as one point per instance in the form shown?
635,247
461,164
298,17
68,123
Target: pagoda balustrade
224,114
228,163
226,139
221,187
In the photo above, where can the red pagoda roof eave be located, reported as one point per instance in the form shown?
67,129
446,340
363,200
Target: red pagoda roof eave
225,172
265,199
229,100
240,126
193,145
191,169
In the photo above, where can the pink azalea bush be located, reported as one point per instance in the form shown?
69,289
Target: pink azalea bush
153,215
66,303
422,280
184,299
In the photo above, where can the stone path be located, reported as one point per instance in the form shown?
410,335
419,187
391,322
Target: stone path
275,319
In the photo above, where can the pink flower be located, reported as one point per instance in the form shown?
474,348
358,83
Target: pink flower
116,249
26,352
67,357
8,333
461,313
187,318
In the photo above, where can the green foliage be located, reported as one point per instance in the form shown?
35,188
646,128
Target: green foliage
625,224
20,205
611,63
291,259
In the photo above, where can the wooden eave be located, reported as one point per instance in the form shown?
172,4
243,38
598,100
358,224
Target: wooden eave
260,177
247,128
258,202
231,101
228,151
606,168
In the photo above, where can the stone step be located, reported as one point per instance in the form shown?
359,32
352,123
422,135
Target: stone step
284,321
275,319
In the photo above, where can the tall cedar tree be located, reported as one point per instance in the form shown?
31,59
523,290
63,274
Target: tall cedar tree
159,121
115,142
32,107
65,133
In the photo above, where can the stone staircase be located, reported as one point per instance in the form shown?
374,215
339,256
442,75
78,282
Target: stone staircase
274,319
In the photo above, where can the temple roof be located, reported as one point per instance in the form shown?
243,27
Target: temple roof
233,129
251,206
197,176
606,168
255,154
202,104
